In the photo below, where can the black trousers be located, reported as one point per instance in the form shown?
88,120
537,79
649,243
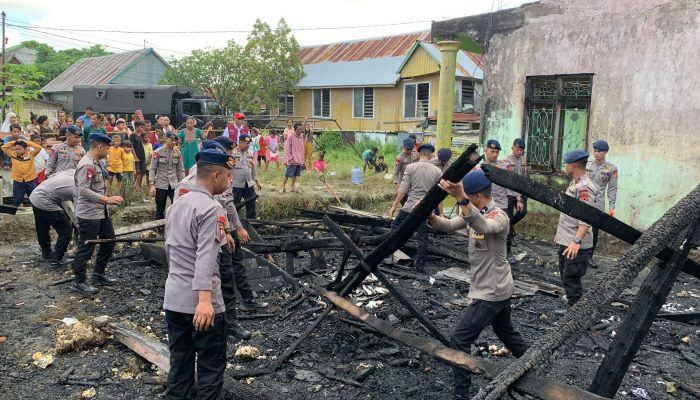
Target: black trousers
43,221
421,236
596,231
247,192
240,274
20,189
475,319
571,271
208,346
91,229
162,196
514,216
228,283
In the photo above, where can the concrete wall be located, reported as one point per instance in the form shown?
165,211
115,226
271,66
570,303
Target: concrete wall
646,90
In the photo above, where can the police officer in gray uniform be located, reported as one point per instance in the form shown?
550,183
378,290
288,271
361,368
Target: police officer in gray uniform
46,202
245,175
499,194
604,174
93,219
167,170
66,155
492,283
195,230
574,237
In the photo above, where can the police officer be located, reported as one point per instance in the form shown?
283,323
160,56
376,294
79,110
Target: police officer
91,212
417,180
499,194
167,170
245,175
604,174
46,202
492,283
574,237
405,158
66,155
517,203
195,230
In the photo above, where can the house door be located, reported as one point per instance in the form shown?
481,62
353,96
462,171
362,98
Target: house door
573,130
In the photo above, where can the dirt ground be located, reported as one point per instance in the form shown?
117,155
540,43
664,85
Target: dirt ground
31,311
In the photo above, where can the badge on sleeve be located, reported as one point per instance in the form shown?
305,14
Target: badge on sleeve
583,194
615,174
221,228
183,191
492,214
90,173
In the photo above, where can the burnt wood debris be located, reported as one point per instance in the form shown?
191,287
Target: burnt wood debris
365,240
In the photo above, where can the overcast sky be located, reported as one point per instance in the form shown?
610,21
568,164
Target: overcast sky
51,20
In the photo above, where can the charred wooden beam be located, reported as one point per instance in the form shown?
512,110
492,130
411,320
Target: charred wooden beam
139,227
125,240
577,209
582,315
634,328
245,202
348,218
296,245
154,252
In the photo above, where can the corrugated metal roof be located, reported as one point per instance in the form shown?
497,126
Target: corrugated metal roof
469,65
95,70
368,72
388,46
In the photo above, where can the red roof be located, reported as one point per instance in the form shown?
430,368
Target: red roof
388,46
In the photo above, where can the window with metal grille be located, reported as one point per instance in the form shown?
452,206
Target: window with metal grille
287,104
363,103
416,100
139,95
322,103
556,109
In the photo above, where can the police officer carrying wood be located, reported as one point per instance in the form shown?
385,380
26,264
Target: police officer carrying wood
574,237
604,174
245,175
46,202
492,283
517,203
66,155
195,230
91,212
167,170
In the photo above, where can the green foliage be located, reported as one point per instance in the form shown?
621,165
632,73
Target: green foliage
329,140
21,83
51,63
243,78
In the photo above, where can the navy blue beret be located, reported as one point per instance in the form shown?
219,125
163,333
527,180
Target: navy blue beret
519,142
211,144
574,155
427,146
224,141
69,129
408,143
100,137
244,137
601,145
475,182
493,144
444,154
171,135
216,157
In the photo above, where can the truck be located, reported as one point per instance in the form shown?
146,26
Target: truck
176,102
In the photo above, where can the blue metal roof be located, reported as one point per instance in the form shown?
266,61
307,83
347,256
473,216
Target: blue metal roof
368,72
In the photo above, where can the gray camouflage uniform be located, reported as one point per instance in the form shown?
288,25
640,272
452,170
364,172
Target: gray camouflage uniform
63,157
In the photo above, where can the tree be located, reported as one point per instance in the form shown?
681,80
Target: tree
52,63
243,77
21,83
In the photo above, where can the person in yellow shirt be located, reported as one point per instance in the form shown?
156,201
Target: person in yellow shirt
22,154
128,160
147,149
115,161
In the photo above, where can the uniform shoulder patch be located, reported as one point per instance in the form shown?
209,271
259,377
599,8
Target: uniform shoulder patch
183,191
583,194
614,174
90,173
492,214
221,228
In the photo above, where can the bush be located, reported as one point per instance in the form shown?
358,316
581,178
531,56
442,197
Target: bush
330,140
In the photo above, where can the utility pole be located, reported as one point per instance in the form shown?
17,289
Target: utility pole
4,106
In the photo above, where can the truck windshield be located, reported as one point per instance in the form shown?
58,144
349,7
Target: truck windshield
213,108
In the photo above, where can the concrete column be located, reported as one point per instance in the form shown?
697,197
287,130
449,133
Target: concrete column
446,92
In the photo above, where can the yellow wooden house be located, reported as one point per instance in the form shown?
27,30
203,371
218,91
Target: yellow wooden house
385,84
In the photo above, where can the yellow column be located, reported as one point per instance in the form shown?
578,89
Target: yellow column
446,93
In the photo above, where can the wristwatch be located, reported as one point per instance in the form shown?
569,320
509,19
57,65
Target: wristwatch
577,240
463,202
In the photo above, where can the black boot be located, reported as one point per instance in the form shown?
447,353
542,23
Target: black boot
592,263
83,288
102,279
511,259
252,304
236,330
58,262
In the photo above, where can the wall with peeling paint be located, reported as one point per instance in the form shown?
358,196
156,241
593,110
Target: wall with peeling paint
645,97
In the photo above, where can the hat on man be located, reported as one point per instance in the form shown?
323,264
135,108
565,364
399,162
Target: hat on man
444,154
427,146
519,143
244,137
100,137
575,155
211,144
69,129
239,115
215,157
224,141
493,144
170,135
601,145
408,143
475,182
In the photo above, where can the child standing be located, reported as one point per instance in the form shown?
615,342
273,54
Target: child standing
380,166
115,163
128,162
273,147
23,171
320,165
147,149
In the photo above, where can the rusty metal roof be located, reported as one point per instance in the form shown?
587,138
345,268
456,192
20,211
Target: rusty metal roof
356,50
95,70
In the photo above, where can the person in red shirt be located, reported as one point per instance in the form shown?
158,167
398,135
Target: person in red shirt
262,153
320,165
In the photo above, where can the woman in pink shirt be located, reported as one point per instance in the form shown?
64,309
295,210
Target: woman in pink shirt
293,157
